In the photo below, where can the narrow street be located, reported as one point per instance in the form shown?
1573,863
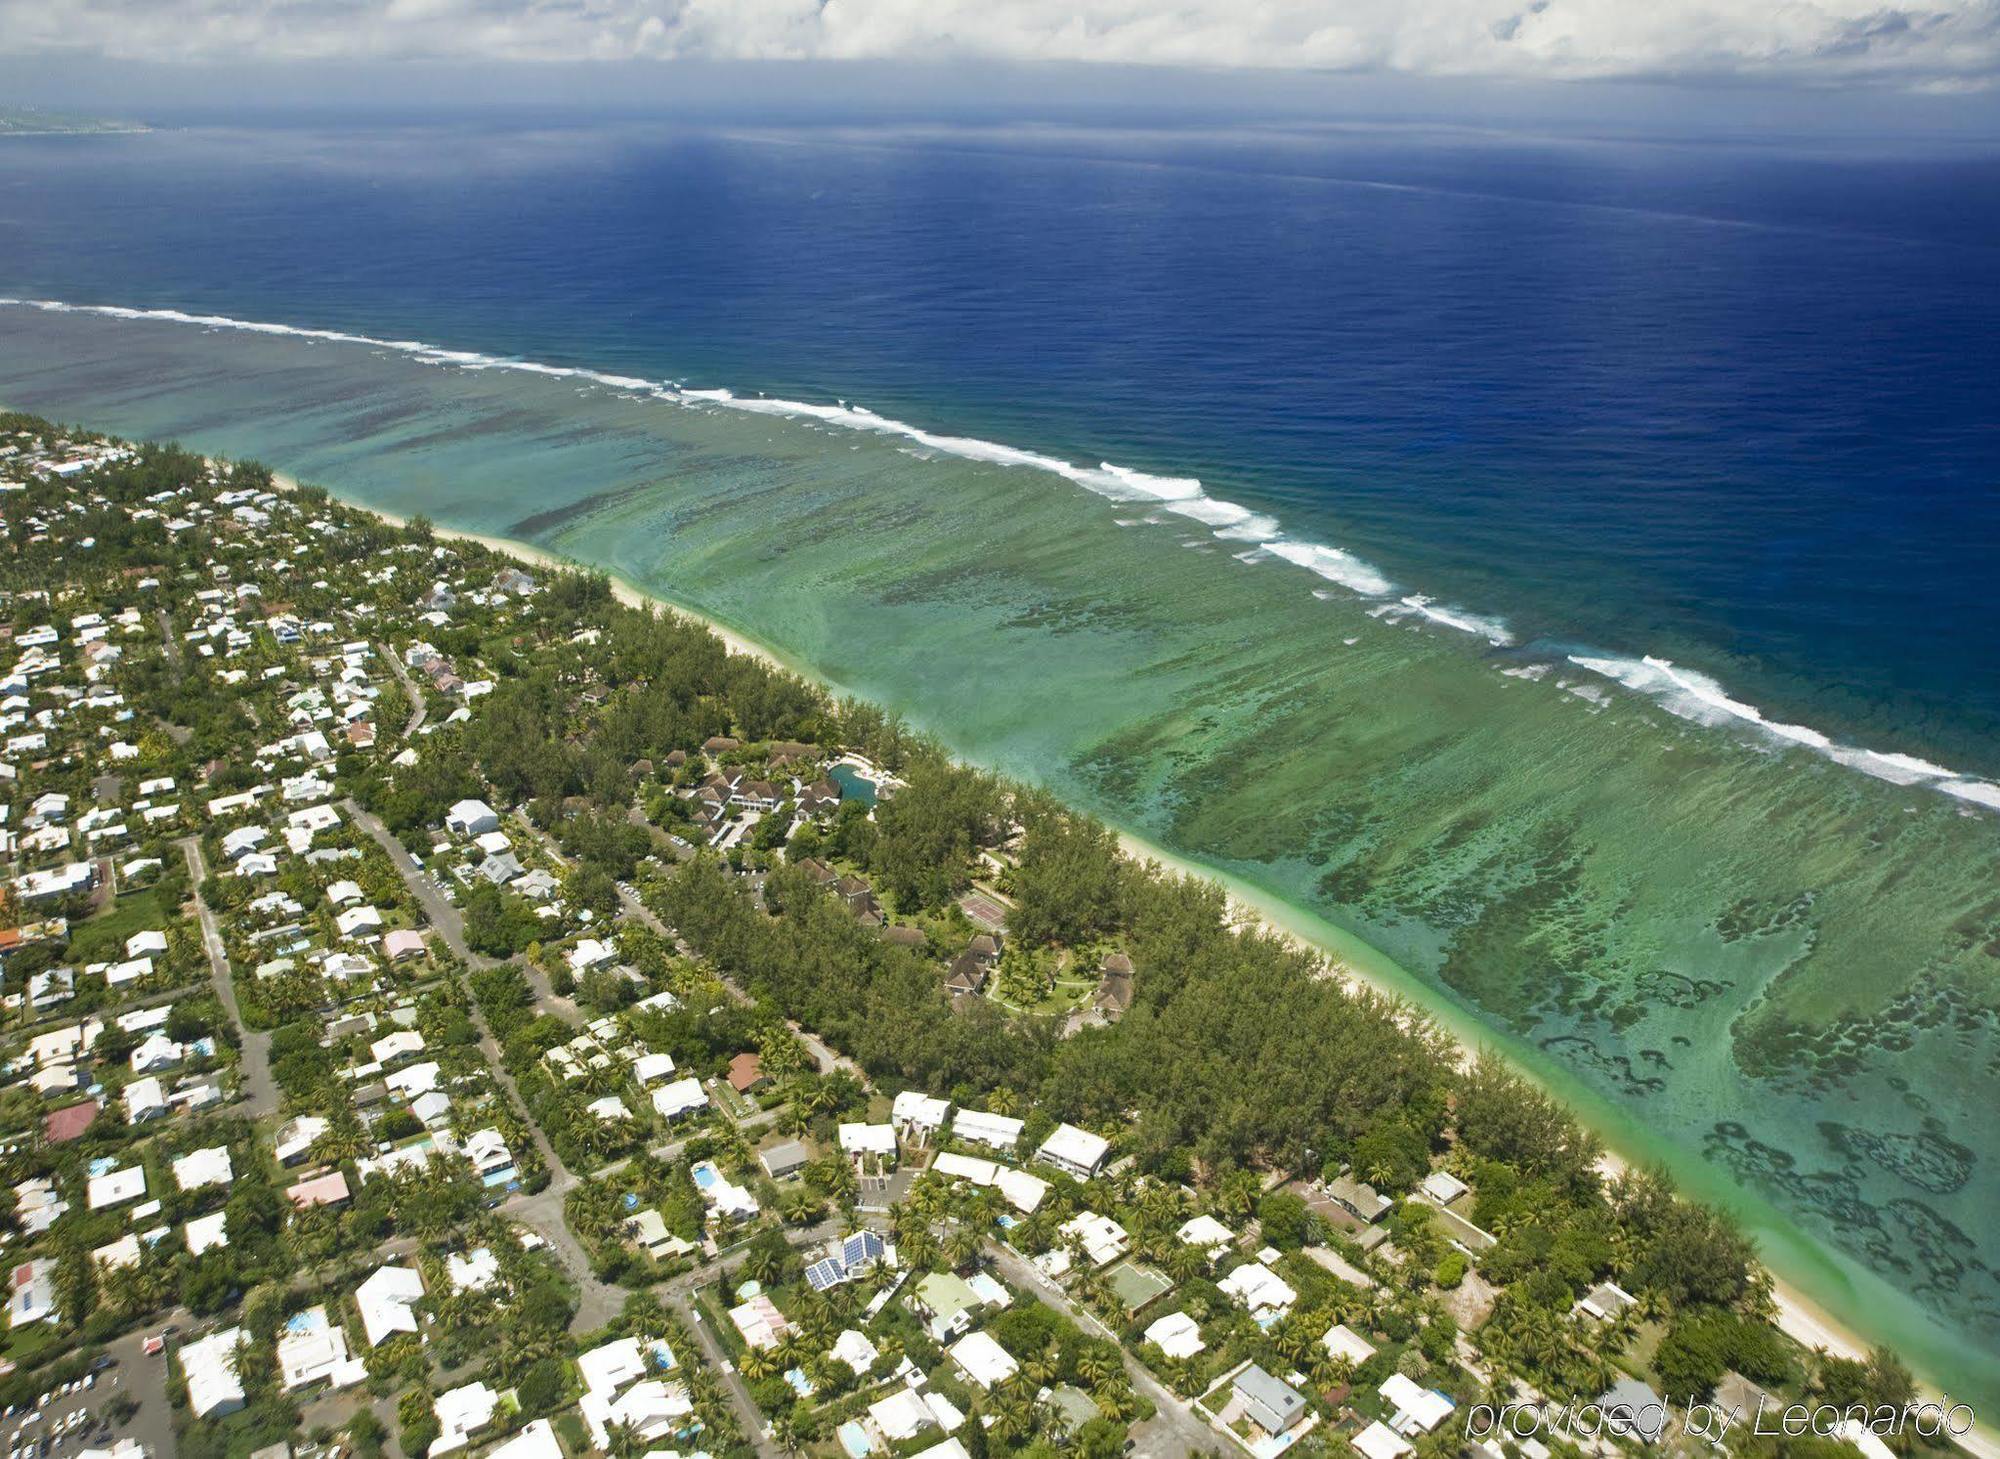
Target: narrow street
259,1088
543,1210
418,708
718,1361
1176,1430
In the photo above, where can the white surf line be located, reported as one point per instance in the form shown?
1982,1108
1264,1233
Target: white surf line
1684,692
1696,697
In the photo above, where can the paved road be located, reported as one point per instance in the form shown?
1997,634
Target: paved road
173,644
711,1350
418,708
1175,1431
258,1086
542,1211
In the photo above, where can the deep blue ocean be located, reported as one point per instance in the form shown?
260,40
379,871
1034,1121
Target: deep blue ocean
1733,405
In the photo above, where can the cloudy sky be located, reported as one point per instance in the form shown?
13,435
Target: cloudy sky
1930,46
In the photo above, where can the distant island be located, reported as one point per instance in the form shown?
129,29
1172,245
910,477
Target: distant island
29,121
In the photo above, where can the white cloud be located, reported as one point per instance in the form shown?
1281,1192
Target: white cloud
1947,44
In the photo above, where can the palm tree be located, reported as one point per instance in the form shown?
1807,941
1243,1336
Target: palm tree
1117,1400
919,1249
1041,1367
963,1246
1294,1338
1013,1412
758,1364
1095,1366
1184,1262
785,1434
1239,1193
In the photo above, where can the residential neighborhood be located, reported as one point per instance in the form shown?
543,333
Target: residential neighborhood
445,1010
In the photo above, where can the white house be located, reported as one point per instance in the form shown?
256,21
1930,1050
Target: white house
983,1361
144,1100
1259,1288
204,1168
1177,1335
312,1348
387,1301
1078,1152
471,818
214,1387
461,1413
858,1139
681,1097
116,1187
998,1132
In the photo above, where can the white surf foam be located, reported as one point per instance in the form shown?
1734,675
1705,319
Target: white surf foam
1684,692
1697,697
1979,792
1480,626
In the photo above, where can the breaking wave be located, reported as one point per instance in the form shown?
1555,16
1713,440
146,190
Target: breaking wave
1696,697
1684,692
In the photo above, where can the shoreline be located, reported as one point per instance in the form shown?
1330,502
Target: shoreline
1798,1316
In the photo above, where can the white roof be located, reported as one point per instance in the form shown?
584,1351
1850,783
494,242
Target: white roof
1865,1439
386,1299
115,1187
1379,1441
203,1168
868,1139
395,1045
536,1441
1023,1191
966,1167
679,1097
413,1079
143,1096
206,1232
1257,1287
1103,1239
1444,1187
590,953
1343,1341
1074,1148
854,1349
901,1415
949,1449
983,1360
609,1368
913,1107
650,1067
1177,1335
1207,1232
311,1347
1002,1132
460,1412
474,1271
210,1367
1418,1407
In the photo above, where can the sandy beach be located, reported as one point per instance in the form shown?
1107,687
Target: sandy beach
1796,1314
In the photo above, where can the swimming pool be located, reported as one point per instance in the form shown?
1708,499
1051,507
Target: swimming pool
854,1439
705,1175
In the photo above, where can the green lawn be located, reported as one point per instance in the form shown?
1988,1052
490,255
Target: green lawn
102,938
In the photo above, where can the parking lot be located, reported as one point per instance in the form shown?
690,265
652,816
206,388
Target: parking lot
70,1417
46,1430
